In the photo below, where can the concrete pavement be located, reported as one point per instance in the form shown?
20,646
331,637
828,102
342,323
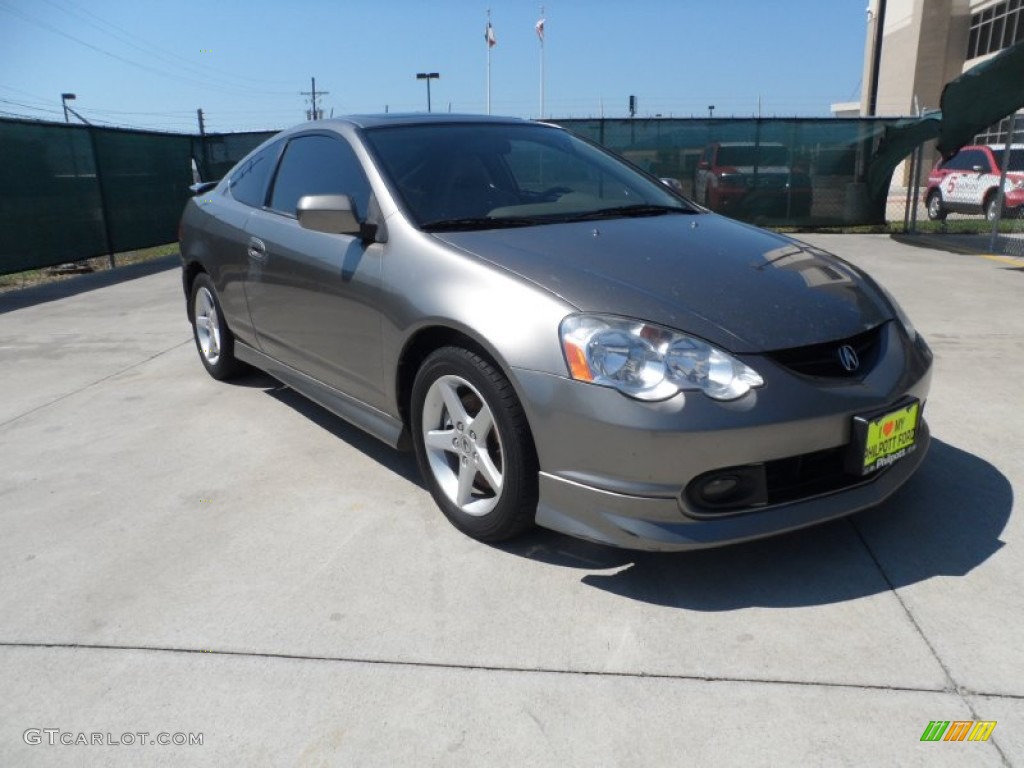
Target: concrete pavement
183,556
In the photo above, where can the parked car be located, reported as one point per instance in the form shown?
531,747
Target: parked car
968,182
748,179
558,337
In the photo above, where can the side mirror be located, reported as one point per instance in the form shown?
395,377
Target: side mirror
703,165
333,214
978,168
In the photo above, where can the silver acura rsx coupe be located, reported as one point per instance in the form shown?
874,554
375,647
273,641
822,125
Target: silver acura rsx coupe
560,338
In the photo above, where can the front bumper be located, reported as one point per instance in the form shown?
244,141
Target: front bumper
615,470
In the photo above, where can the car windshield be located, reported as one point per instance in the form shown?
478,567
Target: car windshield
753,155
1016,159
497,175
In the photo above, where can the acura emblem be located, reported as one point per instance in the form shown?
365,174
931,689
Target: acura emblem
848,358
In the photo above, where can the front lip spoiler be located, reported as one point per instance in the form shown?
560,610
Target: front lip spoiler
658,524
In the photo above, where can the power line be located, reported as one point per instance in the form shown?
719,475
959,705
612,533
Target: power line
152,49
146,67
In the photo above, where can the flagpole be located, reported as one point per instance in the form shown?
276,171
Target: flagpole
489,46
541,29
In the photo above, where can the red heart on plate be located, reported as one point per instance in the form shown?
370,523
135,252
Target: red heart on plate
887,428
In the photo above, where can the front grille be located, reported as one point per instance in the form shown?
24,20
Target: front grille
811,474
769,181
822,360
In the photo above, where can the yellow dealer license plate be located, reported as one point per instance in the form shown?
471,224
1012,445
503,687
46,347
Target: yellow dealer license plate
888,437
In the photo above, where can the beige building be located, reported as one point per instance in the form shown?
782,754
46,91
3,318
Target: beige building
914,47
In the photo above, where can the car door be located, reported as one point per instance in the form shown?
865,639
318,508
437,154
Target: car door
954,180
974,180
314,296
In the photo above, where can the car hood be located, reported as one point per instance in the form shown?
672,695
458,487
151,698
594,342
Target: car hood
742,288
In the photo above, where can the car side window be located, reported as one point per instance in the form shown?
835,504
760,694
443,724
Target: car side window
248,184
319,165
956,163
978,158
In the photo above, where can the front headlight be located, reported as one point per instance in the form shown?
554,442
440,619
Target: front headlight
650,362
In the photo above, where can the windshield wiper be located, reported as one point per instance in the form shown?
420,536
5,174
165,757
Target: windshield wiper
628,211
481,222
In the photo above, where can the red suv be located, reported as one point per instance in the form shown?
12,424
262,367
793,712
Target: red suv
969,182
745,179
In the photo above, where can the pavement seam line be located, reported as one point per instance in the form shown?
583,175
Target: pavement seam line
488,667
84,387
955,687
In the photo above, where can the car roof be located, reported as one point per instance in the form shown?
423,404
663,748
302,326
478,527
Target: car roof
414,118
991,146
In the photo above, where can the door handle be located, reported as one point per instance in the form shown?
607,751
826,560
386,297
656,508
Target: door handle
257,249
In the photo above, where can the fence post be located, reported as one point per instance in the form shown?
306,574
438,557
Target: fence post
916,186
909,197
104,208
1000,195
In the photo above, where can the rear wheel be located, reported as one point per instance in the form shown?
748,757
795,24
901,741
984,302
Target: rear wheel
473,445
936,212
991,206
214,341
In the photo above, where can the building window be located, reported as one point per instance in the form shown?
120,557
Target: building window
995,28
999,132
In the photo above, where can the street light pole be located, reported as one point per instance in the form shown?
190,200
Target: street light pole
64,99
428,76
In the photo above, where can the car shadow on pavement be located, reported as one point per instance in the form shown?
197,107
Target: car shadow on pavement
402,463
945,522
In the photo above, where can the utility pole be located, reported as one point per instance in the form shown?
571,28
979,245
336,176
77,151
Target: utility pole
64,98
202,126
315,113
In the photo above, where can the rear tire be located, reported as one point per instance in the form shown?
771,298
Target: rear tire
936,211
991,208
473,445
214,341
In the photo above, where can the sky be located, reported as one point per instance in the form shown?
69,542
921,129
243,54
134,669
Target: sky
152,64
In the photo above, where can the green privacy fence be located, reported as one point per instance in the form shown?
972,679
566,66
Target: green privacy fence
805,172
71,192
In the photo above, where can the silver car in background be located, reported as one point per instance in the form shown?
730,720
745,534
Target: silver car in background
560,338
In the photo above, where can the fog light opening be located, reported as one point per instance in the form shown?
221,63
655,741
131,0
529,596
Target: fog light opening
718,489
729,489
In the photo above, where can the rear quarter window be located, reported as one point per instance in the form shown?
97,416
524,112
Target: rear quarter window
248,184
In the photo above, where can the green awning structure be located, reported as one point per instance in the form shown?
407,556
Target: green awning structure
980,97
897,142
983,95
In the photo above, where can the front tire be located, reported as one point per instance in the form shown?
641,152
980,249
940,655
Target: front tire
473,445
214,342
935,210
